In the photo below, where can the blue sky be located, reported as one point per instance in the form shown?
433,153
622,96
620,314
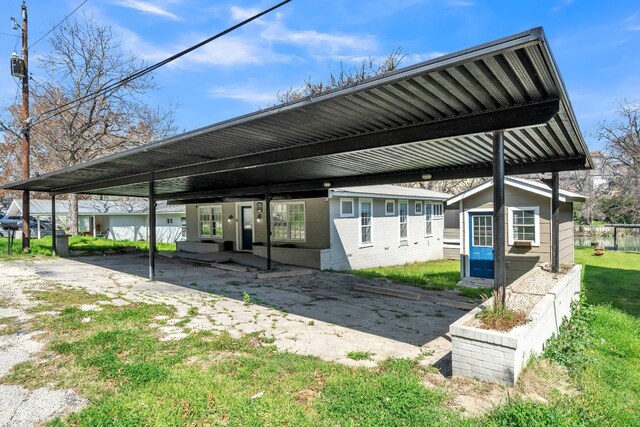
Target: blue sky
596,45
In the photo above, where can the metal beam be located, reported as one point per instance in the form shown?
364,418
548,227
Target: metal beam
310,194
152,232
267,198
555,222
499,256
53,225
519,116
476,171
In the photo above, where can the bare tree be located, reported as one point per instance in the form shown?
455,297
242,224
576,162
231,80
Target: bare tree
451,186
86,58
622,146
346,77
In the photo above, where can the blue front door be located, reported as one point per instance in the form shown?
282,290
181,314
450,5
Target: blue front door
481,245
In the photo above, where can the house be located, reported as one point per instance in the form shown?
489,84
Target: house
345,228
469,215
116,220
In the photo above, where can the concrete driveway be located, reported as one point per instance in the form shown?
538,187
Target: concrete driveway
318,314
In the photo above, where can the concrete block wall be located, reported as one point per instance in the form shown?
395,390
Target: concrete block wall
497,356
386,249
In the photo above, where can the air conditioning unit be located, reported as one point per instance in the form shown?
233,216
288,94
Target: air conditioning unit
17,66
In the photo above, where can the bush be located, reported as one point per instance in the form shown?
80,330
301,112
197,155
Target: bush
568,347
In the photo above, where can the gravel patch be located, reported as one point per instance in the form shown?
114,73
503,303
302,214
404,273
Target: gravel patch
524,295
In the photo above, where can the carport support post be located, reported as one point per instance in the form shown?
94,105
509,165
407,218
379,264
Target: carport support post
53,225
152,232
267,198
499,258
555,222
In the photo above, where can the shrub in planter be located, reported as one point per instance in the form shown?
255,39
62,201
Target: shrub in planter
499,316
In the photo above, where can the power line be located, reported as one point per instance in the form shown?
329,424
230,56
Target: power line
114,86
58,24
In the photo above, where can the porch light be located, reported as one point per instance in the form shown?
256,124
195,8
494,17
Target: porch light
326,184
230,219
427,176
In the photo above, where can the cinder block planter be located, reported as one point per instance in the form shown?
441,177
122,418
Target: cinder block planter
500,356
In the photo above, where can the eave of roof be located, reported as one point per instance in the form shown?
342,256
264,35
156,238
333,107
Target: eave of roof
523,184
388,191
430,118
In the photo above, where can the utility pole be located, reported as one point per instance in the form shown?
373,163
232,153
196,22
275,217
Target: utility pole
26,228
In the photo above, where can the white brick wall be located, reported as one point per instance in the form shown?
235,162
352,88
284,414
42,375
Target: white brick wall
347,253
496,356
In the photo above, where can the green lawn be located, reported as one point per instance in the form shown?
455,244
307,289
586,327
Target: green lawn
439,274
612,279
78,243
602,349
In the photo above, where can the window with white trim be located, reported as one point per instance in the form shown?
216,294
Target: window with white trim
403,210
210,221
346,208
389,207
524,224
366,222
418,208
428,219
288,221
437,209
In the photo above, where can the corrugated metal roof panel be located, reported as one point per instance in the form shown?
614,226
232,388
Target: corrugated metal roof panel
354,132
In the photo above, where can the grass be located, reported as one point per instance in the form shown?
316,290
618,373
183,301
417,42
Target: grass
132,377
601,344
611,279
360,355
439,275
77,243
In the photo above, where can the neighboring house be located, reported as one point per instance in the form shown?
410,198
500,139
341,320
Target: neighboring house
348,228
528,227
116,220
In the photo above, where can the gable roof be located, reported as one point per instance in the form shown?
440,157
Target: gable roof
391,191
431,118
94,207
523,184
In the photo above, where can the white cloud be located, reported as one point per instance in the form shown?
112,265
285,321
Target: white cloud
147,7
461,3
235,51
225,51
277,32
240,13
249,94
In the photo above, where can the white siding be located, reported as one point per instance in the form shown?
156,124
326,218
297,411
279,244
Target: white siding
347,253
135,227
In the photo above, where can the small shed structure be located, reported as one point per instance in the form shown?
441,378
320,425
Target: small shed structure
528,227
113,219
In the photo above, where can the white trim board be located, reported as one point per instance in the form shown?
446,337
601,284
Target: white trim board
522,184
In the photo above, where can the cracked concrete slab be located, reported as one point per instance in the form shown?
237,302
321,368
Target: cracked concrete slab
26,408
319,314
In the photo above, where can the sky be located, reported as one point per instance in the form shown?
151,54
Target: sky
595,43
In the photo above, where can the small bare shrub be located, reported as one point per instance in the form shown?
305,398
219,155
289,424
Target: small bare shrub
499,316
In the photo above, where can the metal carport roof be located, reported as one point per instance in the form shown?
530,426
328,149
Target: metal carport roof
431,118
